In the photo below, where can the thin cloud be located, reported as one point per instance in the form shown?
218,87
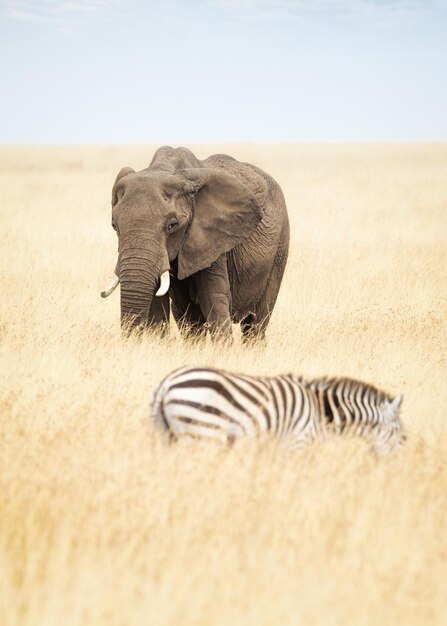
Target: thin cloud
56,12
343,6
375,10
66,12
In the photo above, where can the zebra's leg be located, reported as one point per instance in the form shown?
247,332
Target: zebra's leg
168,438
160,424
231,438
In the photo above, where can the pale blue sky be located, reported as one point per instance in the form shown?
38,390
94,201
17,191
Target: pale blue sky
214,70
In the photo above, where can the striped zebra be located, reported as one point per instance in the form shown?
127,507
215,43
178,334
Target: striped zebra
210,403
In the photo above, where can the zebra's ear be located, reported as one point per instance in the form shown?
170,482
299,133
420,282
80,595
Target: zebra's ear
395,404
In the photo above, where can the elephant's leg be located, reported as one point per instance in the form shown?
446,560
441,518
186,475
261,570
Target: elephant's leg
159,314
253,327
250,328
187,314
190,321
214,297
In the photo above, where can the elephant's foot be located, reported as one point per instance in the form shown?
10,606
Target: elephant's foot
160,330
192,332
253,330
220,329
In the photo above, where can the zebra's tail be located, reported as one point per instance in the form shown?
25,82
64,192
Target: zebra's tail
157,413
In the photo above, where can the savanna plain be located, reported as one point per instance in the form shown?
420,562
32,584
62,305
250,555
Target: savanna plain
102,524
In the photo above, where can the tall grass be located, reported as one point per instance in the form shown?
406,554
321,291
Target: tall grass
101,524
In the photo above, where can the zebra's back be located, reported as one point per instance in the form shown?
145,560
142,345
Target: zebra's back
211,403
215,404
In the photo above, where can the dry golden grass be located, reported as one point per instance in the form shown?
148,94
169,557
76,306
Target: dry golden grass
100,524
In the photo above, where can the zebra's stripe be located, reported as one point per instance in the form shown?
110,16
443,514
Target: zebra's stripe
203,402
218,396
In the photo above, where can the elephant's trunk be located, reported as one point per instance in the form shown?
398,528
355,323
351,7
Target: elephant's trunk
139,276
136,299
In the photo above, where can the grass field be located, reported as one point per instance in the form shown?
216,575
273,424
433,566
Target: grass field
102,525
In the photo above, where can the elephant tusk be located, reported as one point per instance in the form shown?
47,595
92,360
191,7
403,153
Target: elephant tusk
164,284
105,293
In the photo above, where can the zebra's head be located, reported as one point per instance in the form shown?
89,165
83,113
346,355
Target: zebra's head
392,432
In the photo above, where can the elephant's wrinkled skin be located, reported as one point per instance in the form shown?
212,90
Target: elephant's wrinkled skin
219,226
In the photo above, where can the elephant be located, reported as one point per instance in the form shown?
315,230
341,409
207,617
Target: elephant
208,238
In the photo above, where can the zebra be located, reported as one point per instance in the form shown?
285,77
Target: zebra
209,403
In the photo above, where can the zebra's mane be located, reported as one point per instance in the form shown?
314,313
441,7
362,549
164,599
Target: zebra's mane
334,383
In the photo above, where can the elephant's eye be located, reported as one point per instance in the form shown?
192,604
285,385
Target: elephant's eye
114,226
172,224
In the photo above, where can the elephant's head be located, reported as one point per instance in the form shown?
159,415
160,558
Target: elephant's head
192,215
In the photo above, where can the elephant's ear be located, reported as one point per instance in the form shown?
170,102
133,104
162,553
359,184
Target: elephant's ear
124,171
225,213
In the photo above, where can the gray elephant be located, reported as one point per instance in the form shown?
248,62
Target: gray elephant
212,236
